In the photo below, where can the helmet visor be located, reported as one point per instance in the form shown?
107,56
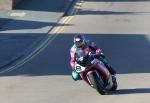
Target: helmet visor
79,43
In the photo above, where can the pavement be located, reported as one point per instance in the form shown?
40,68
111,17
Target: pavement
120,28
22,29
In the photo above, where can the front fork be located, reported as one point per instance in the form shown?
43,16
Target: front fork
84,76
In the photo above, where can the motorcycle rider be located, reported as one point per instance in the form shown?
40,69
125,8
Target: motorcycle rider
80,42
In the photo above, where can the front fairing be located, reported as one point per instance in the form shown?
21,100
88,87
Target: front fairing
83,68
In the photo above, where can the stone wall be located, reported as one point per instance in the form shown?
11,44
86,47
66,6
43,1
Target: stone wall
5,4
8,4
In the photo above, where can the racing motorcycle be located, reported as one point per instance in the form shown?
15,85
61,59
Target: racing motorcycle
100,79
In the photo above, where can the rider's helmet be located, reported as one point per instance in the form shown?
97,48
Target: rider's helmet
79,40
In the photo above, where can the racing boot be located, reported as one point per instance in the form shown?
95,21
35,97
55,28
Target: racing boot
76,76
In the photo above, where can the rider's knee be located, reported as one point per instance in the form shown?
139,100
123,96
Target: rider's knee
75,76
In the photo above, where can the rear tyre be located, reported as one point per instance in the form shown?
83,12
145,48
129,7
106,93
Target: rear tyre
115,85
97,83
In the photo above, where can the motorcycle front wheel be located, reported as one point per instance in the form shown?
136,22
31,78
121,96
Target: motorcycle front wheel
97,83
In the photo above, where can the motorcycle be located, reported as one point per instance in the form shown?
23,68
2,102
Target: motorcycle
100,79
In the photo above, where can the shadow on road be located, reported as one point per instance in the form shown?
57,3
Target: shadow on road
127,53
14,45
25,24
44,5
88,12
132,91
107,10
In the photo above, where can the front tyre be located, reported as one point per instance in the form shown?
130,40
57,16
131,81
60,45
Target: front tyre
97,83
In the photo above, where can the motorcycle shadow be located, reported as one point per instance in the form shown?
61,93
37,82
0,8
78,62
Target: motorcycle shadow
130,91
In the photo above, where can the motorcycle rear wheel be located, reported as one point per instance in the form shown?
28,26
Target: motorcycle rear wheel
115,85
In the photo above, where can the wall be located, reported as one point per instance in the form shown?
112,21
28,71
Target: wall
8,4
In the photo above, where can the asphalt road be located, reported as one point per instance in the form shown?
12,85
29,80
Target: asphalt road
22,28
120,28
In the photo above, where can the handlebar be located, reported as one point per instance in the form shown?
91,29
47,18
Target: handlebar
91,54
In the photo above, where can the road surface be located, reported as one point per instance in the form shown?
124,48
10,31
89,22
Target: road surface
120,28
22,28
